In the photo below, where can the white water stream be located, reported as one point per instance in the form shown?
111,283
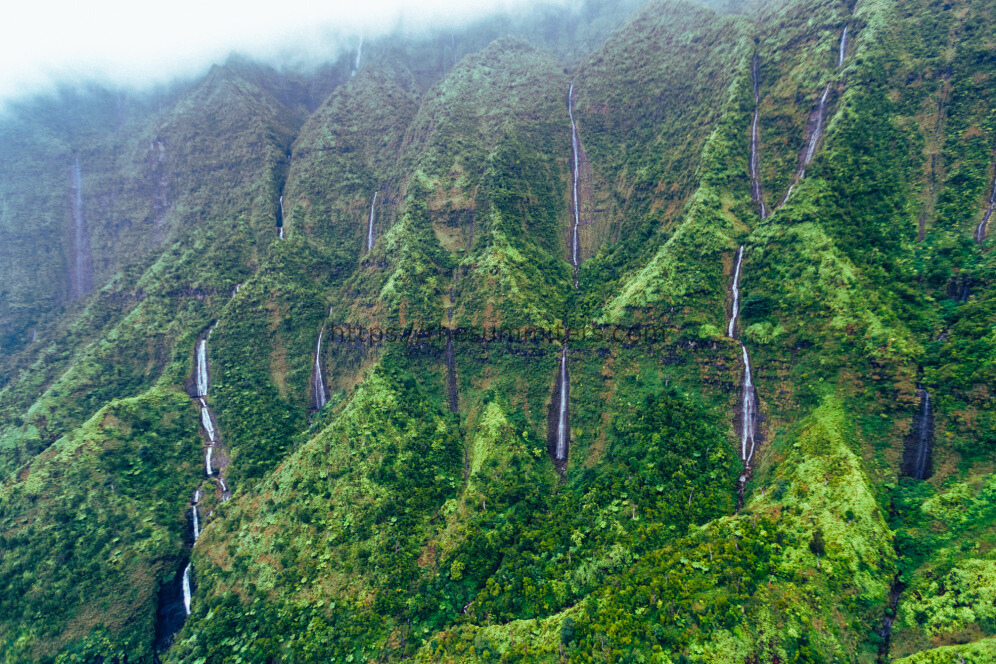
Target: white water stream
370,224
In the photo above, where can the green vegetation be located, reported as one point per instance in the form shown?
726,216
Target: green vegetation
386,526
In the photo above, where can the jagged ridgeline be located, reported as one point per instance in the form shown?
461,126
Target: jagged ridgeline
622,333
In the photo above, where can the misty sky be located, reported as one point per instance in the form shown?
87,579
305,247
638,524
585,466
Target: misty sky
138,42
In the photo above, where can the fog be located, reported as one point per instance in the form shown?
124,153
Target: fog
141,44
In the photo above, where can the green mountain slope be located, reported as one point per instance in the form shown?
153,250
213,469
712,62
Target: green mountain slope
383,282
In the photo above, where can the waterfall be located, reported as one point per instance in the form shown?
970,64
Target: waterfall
201,370
843,48
207,461
370,224
206,422
575,252
186,589
748,403
755,177
563,430
748,413
814,139
318,384
923,429
280,219
736,293
980,232
80,283
197,525
359,52
563,434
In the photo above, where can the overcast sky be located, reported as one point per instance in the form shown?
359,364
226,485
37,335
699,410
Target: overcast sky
138,42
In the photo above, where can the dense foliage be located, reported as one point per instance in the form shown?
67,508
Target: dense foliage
420,513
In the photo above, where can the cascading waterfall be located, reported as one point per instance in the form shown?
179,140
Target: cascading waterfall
563,422
201,369
814,139
563,434
575,250
748,414
201,384
186,589
980,231
820,118
755,177
748,402
736,293
318,383
843,48
206,421
818,131
370,224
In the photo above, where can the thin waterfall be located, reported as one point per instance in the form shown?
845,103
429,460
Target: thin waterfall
736,294
359,53
980,231
748,414
197,525
563,434
818,131
370,224
318,383
575,250
280,221
749,437
755,177
917,457
207,461
206,421
563,427
202,368
814,139
186,589
843,48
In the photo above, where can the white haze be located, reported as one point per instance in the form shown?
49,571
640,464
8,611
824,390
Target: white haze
139,44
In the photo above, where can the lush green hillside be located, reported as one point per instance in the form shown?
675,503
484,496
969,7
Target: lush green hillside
394,492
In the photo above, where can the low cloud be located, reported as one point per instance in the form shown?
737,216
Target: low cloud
139,44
